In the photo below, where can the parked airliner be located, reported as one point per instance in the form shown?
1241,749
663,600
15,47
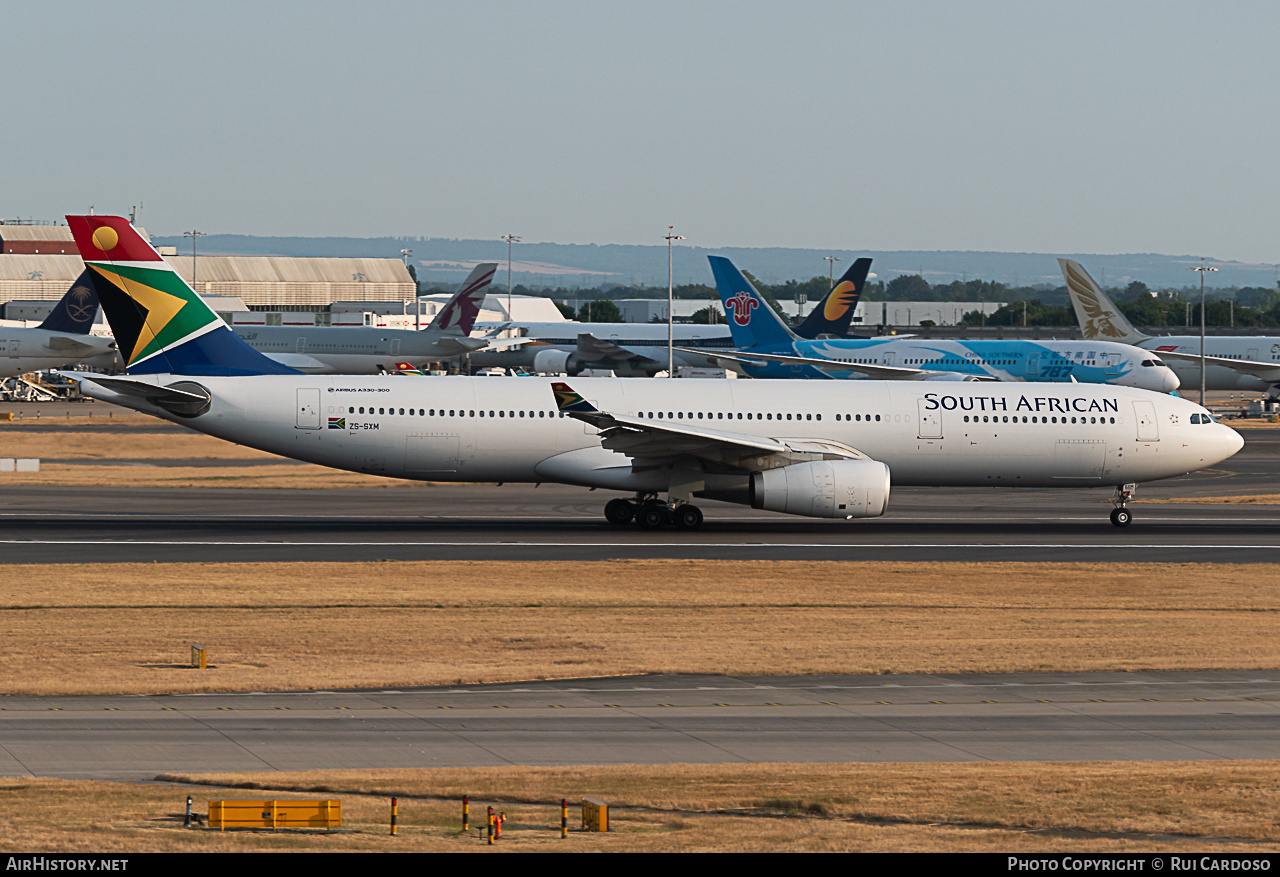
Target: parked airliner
63,338
630,349
370,351
767,349
1233,362
815,448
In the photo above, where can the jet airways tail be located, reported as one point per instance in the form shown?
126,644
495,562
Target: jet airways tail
834,314
160,324
75,311
751,321
1099,319
458,316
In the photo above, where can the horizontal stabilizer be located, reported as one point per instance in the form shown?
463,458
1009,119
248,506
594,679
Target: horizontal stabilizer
186,399
63,344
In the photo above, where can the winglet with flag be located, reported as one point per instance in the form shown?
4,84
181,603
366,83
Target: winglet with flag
569,401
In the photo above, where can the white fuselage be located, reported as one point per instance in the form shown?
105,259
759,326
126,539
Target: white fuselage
29,350
1251,348
508,429
1018,360
646,344
355,350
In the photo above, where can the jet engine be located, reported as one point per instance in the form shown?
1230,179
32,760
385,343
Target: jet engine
824,489
556,362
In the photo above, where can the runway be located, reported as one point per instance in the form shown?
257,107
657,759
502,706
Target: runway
654,720
521,522
551,522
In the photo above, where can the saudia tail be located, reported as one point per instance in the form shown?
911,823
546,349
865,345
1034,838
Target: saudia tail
751,321
74,312
1100,320
834,314
160,324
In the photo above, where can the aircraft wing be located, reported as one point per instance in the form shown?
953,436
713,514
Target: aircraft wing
495,344
1267,371
650,441
301,361
878,372
593,349
456,346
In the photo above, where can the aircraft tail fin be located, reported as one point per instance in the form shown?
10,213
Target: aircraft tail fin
751,321
160,324
458,316
75,311
1099,318
834,313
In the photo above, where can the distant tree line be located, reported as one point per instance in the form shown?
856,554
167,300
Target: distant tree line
1025,305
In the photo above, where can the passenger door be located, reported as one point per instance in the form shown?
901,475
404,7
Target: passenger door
308,408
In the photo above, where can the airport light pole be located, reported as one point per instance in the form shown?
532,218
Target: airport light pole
193,234
831,273
1202,268
510,239
417,301
671,332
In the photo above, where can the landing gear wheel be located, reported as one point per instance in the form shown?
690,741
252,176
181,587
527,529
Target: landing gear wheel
619,511
687,517
652,516
1121,517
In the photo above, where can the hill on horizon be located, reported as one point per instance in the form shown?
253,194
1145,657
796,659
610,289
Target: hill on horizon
542,265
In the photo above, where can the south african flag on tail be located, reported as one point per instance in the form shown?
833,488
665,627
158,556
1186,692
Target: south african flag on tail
160,324
568,400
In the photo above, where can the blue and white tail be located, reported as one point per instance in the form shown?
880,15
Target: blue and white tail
751,320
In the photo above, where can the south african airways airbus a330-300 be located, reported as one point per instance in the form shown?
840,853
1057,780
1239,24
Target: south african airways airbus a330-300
815,448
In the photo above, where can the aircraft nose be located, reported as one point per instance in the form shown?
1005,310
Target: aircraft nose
1232,441
1170,381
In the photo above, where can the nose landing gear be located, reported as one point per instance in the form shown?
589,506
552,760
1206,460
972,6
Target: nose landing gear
1120,515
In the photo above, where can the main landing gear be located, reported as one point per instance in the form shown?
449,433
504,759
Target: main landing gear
651,513
1120,515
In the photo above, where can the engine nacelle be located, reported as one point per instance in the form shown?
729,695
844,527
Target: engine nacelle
824,489
556,362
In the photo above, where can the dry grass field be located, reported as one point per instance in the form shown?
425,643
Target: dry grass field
1230,807
127,628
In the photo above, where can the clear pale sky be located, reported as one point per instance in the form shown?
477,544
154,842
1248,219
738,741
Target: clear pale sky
1073,127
